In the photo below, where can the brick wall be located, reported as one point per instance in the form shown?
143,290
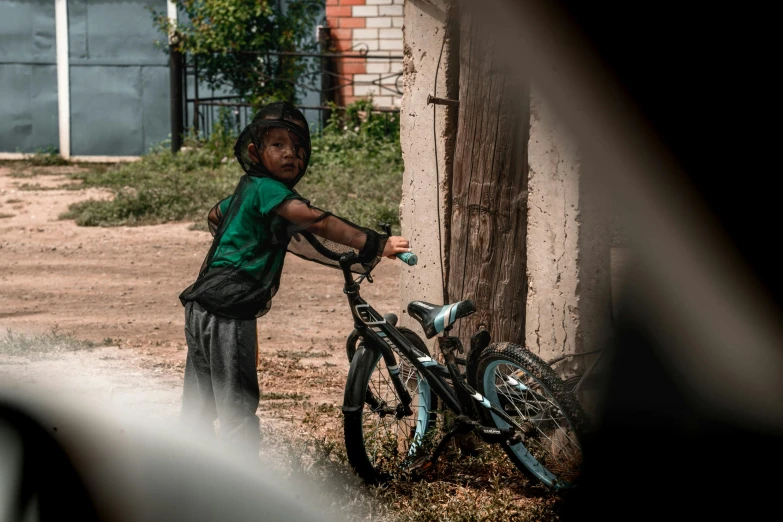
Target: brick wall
374,26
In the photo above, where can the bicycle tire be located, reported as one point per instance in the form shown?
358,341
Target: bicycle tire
540,401
374,456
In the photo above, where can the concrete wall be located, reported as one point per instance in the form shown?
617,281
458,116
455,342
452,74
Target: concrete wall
568,247
424,33
568,309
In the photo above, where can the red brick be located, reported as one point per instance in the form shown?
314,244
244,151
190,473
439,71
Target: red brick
332,2
342,34
352,2
353,22
342,45
335,11
353,68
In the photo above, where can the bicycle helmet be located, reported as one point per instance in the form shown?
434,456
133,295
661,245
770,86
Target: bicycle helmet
279,114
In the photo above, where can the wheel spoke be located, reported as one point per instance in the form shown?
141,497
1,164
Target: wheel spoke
552,450
389,441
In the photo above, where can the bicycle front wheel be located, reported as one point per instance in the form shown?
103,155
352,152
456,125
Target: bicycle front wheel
532,394
380,439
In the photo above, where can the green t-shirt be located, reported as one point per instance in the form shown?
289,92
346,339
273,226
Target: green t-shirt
241,272
245,241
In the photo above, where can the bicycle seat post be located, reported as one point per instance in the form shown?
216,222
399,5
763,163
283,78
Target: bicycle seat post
448,345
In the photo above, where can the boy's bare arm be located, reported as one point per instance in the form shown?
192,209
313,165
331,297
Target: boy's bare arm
214,218
330,228
335,229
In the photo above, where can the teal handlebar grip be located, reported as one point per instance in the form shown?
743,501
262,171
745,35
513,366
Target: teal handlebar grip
409,258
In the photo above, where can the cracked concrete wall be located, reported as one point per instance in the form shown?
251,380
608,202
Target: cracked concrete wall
568,248
425,33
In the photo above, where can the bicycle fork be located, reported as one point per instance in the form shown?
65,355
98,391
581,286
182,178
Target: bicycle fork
379,406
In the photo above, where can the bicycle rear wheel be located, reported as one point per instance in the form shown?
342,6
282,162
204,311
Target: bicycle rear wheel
532,394
379,441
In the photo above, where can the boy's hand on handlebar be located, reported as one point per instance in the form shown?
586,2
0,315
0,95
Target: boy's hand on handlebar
395,245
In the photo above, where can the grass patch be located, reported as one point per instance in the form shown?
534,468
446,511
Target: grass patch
276,396
460,487
22,169
5,216
301,355
35,186
22,172
42,344
12,201
49,157
355,171
26,168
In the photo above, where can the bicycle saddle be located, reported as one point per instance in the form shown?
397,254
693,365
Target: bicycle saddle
434,319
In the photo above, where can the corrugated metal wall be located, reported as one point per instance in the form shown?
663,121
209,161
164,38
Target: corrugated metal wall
28,76
119,79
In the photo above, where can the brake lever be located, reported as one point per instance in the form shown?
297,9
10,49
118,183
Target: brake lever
362,277
386,228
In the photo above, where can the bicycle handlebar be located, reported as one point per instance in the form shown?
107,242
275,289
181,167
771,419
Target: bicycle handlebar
409,258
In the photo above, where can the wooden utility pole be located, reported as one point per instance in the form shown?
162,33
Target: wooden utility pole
488,218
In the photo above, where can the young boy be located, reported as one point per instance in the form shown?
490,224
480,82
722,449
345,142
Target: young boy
252,231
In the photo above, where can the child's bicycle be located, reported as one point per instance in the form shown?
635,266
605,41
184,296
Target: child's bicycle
507,395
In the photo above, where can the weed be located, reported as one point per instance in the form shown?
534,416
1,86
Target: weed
274,396
35,187
283,354
355,171
47,157
50,343
471,488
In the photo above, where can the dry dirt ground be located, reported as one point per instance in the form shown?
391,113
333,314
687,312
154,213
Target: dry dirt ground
120,286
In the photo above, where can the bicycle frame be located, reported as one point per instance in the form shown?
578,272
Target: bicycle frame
376,333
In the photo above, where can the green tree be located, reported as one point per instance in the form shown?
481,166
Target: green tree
232,40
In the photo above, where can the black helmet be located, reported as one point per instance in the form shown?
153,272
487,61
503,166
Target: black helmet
280,114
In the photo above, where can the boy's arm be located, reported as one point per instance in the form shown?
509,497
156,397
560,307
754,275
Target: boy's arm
335,229
215,215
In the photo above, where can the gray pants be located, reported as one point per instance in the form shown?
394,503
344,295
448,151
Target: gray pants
220,378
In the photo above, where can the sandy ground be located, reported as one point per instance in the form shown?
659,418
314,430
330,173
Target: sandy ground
120,286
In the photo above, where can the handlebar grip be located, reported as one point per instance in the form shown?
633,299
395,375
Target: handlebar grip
409,258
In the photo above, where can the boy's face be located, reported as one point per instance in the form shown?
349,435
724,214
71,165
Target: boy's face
283,155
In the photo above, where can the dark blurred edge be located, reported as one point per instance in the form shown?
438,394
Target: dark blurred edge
46,485
702,80
701,77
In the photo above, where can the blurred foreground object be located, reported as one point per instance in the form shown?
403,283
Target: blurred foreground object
671,116
60,463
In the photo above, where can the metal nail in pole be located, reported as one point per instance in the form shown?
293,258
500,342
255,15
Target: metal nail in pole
441,101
